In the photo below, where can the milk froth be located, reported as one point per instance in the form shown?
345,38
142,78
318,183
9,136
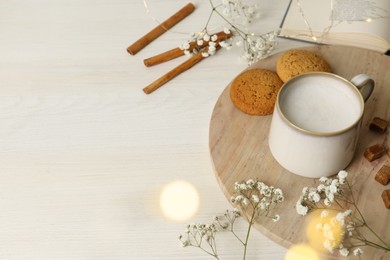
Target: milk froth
320,104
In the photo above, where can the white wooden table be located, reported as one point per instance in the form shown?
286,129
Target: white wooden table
84,153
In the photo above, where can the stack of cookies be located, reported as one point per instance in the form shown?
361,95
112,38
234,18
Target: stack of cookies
254,91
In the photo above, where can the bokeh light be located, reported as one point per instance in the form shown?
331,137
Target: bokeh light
301,252
179,200
317,221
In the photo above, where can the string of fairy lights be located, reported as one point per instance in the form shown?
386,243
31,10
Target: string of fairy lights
341,11
335,18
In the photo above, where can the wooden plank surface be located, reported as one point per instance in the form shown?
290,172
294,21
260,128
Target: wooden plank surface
239,149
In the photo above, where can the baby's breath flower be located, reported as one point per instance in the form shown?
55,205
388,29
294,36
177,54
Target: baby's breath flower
184,243
247,194
186,46
344,252
239,198
324,213
212,44
358,252
333,188
331,193
340,218
187,53
226,45
326,227
243,186
205,54
342,174
328,233
260,185
237,14
330,197
348,213
350,226
321,188
212,50
329,245
324,179
302,210
250,182
258,46
314,196
278,191
236,212
266,192
319,226
255,198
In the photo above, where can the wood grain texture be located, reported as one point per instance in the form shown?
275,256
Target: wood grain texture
239,149
84,152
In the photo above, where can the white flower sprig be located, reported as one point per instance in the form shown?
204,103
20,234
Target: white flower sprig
255,196
336,194
237,15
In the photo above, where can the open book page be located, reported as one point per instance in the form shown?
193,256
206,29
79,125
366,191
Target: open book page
363,23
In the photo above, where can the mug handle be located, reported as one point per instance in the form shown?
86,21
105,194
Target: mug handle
364,84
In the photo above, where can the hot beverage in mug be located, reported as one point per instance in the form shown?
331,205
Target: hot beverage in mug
316,121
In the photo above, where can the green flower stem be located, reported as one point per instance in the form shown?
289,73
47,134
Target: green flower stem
199,245
387,247
208,20
207,252
248,232
369,243
239,239
214,9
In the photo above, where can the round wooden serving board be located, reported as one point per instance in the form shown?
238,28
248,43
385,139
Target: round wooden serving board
239,150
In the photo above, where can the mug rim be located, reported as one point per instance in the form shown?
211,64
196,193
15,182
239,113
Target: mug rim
318,133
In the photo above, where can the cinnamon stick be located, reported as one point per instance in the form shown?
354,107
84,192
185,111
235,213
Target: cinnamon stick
165,56
177,52
160,29
176,71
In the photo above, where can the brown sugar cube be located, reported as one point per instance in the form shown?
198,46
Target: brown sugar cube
383,175
386,198
374,152
379,125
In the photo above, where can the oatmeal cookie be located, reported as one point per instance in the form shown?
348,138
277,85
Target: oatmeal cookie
294,62
254,91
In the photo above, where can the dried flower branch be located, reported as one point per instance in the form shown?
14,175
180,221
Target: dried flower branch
254,196
336,194
236,15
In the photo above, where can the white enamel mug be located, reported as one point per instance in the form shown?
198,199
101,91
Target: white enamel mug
316,121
